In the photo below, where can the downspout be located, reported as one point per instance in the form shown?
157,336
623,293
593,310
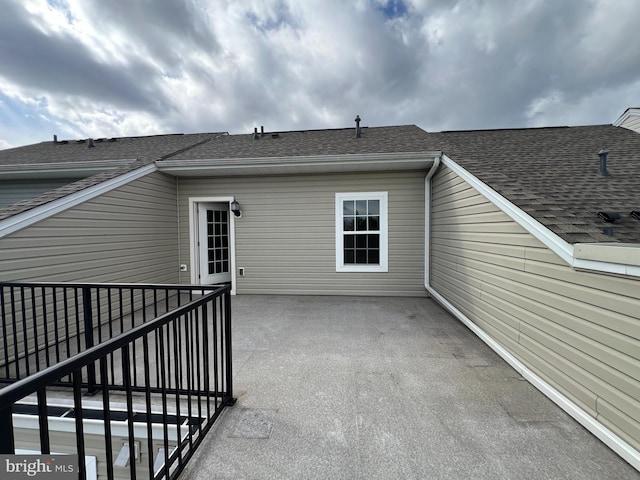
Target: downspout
427,223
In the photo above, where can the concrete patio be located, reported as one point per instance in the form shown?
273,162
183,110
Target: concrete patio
380,388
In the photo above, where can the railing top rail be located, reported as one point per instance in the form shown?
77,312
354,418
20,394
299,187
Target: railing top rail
32,383
152,286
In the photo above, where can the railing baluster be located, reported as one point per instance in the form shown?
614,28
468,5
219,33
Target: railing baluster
6,427
126,377
5,343
43,422
106,408
25,353
88,334
34,320
77,407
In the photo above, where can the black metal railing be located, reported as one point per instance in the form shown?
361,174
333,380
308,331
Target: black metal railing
162,381
45,323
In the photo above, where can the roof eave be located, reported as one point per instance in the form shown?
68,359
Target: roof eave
302,164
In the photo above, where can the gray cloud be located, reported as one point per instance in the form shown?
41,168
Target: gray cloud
202,66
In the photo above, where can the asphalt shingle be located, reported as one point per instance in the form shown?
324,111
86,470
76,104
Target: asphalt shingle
550,173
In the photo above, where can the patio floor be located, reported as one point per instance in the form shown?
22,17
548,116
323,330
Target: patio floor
380,388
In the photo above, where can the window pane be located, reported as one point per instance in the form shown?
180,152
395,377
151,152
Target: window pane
210,229
217,229
224,228
210,242
348,224
217,215
373,241
374,207
347,207
374,223
361,256
349,256
361,207
349,241
209,215
361,241
373,256
361,223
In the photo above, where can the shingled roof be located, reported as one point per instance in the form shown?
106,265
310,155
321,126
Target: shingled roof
303,143
139,150
552,174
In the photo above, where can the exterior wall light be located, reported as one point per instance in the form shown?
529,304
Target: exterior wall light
235,208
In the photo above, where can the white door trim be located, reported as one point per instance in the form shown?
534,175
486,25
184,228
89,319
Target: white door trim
194,251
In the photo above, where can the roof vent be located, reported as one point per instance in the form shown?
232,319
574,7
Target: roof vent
635,214
609,217
357,120
90,143
55,139
255,133
603,162
262,131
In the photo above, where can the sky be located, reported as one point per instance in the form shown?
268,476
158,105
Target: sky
107,68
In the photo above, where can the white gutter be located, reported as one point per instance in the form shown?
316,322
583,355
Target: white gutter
613,441
33,215
308,164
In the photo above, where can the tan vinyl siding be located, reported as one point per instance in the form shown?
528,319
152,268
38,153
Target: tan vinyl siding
128,234
580,331
285,239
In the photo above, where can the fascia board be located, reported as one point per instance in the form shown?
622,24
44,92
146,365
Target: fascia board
22,220
221,166
563,249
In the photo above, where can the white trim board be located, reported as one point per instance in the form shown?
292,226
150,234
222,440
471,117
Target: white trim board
24,219
563,249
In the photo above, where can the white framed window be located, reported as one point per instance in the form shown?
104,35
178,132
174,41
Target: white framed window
361,232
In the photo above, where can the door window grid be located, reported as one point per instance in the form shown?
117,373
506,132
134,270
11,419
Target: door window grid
217,241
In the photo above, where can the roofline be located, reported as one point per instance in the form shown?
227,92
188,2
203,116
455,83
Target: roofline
300,164
609,258
60,169
33,215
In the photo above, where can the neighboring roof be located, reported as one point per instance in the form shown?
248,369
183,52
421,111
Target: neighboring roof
630,119
552,175
134,152
404,138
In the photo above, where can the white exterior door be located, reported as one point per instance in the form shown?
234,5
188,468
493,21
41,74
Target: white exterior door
214,243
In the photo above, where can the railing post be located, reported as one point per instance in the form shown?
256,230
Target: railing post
88,336
6,427
227,340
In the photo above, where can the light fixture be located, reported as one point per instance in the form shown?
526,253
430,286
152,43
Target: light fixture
235,208
635,214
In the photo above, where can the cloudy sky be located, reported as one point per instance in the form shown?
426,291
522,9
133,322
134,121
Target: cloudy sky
97,68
